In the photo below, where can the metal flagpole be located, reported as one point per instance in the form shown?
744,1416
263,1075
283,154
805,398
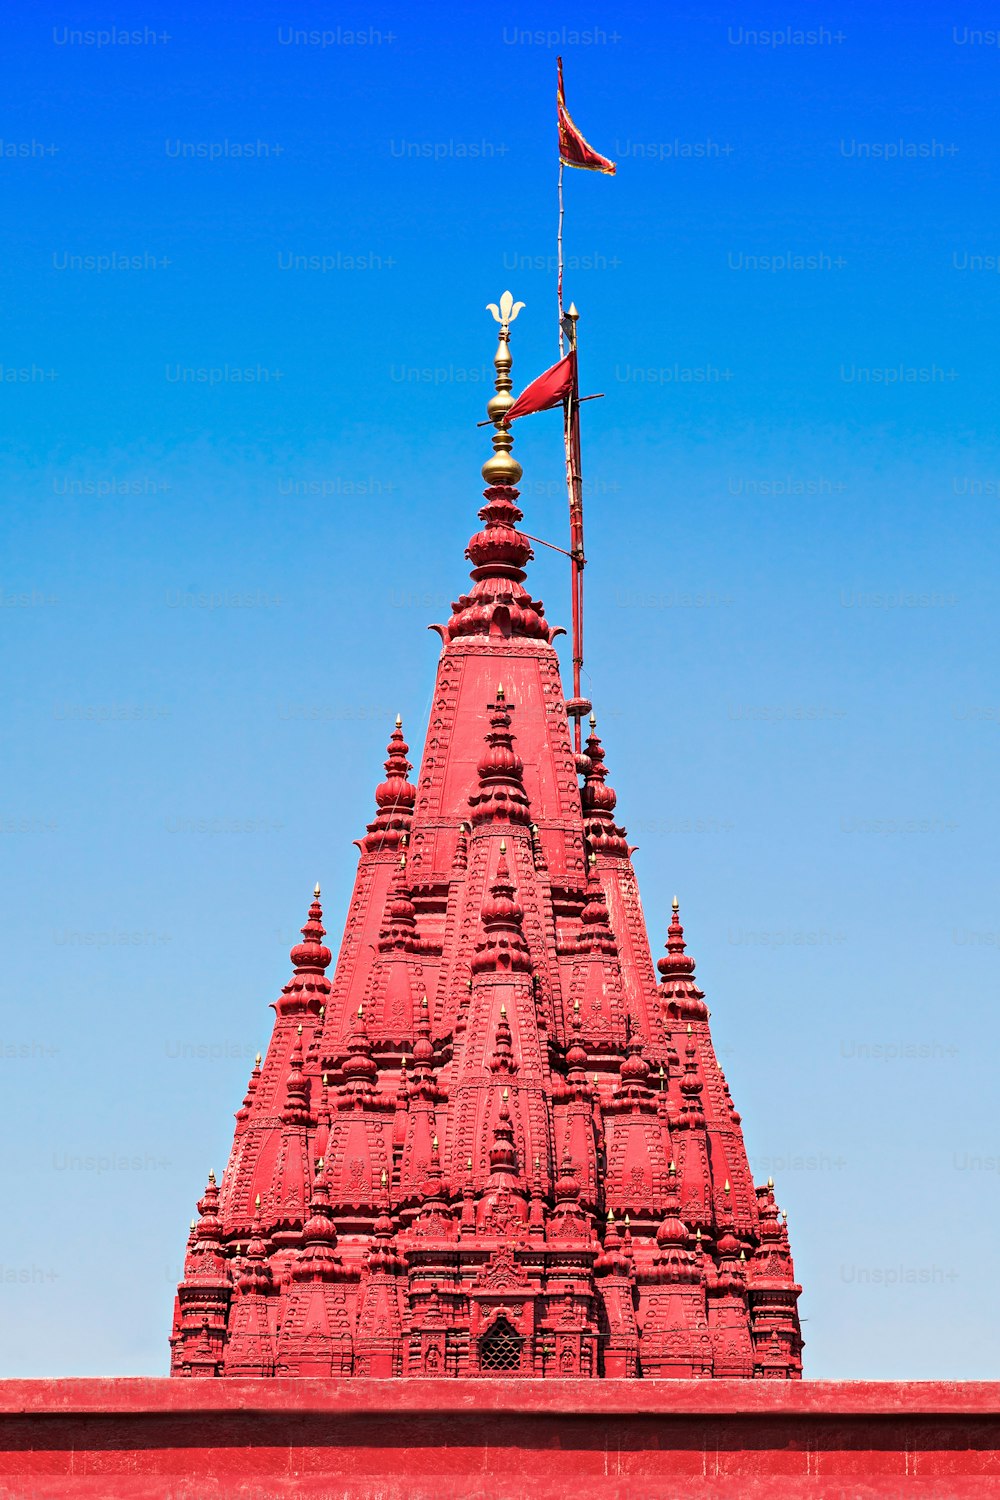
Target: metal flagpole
577,705
574,486
559,253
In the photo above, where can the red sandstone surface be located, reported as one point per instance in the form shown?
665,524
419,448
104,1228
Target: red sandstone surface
494,1143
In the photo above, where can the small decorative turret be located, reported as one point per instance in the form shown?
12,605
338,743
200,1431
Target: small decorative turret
680,994
360,1068
634,1070
502,945
399,924
595,929
576,1055
250,1349
296,1110
503,1153
394,797
598,800
319,1235
315,1336
244,1109
423,1047
308,987
502,1060
501,795
203,1296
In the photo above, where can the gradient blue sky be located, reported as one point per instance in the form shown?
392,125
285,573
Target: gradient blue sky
215,596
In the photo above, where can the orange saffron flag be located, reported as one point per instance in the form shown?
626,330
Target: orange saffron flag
573,149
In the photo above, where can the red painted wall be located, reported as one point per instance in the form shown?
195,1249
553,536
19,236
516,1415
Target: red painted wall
451,1440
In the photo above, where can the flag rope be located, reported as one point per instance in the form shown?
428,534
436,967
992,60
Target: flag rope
559,259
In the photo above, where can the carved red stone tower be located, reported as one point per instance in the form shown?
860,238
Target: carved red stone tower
493,1143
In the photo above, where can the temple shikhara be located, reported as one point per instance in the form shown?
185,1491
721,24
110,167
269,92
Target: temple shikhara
492,1138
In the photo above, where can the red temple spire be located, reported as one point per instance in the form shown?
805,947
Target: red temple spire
494,1144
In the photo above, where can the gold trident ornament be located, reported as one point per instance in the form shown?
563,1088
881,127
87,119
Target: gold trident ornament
506,312
502,468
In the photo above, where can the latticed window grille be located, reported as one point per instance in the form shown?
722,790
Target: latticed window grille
500,1349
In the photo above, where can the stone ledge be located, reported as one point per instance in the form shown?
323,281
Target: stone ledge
313,1439
106,1395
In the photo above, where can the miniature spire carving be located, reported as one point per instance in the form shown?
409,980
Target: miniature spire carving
394,798
502,945
598,800
501,795
308,987
204,1295
681,995
250,1349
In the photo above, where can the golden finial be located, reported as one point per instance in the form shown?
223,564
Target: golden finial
611,1216
423,1003
506,312
726,1188
256,1201
468,1163
319,1163
675,904
434,1145
592,859
299,1032
322,1011
689,1028
256,1061
316,890
500,693
505,1096
743,1256
399,721
593,720
697,1235
595,1080
502,468
503,846
326,1079
672,1169
211,1176
361,1010
628,1222
192,1223
770,1183
503,1009
383,1180
576,1006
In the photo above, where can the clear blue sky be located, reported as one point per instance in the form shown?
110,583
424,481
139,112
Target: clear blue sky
215,595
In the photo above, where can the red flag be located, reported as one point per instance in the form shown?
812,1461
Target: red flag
573,149
547,391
